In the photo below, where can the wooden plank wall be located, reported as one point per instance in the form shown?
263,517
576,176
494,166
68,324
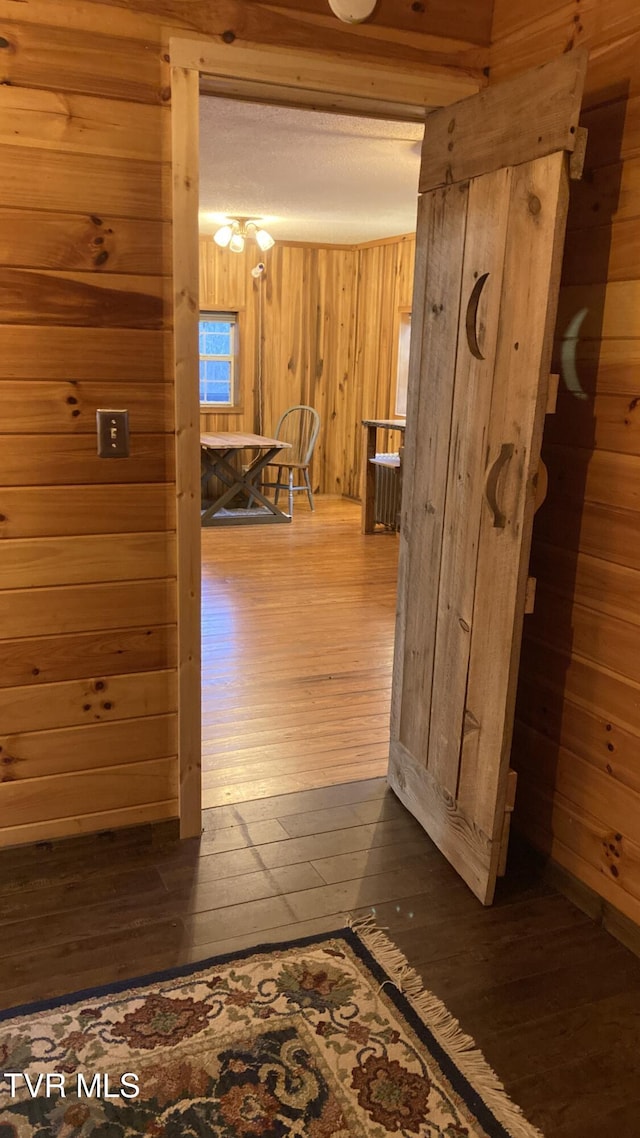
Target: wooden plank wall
87,556
330,325
577,743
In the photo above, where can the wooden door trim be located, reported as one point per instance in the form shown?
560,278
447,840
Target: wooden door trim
271,74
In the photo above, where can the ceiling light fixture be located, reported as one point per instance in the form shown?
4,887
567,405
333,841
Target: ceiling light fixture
237,230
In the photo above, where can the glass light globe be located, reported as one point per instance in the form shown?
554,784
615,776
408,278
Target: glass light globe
223,236
264,240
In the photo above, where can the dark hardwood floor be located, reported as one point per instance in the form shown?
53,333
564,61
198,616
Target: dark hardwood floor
297,654
552,999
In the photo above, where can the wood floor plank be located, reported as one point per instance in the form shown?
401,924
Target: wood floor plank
286,805
602,1080
292,704
618,1021
373,761
551,998
302,906
233,863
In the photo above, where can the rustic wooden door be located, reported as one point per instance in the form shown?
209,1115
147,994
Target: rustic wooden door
491,219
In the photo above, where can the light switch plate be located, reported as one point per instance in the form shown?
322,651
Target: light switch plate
113,433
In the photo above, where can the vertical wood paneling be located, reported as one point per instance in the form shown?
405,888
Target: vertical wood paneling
577,656
330,326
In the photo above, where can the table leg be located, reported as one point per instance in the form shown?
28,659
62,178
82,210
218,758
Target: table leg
369,481
240,482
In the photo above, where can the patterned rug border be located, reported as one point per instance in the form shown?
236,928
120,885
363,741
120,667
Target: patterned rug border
461,1061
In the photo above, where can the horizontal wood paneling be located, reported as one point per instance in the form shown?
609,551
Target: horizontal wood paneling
612,310
608,193
597,476
83,241
611,253
67,510
97,300
585,682
86,559
395,33
36,754
78,655
598,740
95,16
594,853
52,829
81,353
80,608
609,422
66,795
580,681
591,790
47,407
608,367
68,123
614,131
47,179
31,460
592,634
595,582
601,530
87,701
63,59
85,238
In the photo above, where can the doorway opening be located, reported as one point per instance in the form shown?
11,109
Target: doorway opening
294,78
298,619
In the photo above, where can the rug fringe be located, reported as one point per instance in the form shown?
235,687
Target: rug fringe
446,1029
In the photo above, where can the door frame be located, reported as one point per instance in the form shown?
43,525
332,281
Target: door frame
273,75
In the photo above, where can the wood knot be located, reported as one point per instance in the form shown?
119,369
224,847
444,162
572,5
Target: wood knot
101,257
228,36
535,205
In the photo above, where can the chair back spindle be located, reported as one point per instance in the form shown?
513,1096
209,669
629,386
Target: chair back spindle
299,426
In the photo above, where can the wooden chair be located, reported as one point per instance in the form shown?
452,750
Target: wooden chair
299,426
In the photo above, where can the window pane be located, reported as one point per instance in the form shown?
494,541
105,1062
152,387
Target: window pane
215,344
215,381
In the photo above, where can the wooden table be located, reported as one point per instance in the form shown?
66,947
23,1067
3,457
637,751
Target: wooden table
372,426
217,451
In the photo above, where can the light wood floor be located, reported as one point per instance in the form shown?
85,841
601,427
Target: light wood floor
298,626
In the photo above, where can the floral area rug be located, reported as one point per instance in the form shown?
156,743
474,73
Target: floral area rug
328,1037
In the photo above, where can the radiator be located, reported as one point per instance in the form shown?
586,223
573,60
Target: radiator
388,496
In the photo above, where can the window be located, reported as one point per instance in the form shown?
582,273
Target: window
218,351
402,374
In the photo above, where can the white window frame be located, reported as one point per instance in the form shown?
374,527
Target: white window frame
232,319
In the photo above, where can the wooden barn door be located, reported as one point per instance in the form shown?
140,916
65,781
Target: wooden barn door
491,219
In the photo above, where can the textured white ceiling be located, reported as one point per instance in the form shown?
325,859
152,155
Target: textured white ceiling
312,176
